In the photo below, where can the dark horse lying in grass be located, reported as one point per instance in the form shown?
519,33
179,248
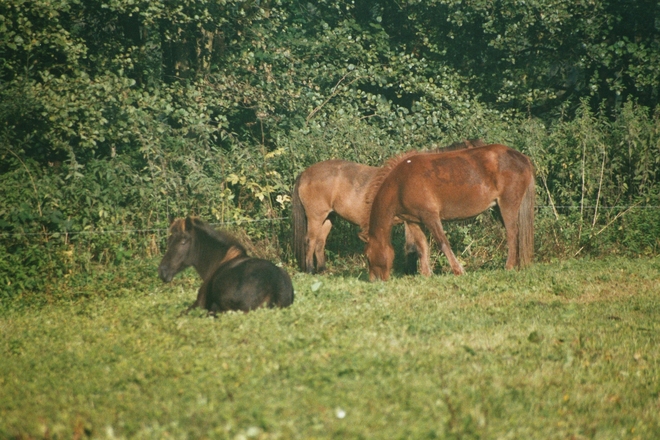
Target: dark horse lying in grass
232,280
426,188
340,186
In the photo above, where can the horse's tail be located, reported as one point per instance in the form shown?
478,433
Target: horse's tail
526,226
299,227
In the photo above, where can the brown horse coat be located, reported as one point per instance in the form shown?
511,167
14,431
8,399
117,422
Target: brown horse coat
426,188
341,187
337,186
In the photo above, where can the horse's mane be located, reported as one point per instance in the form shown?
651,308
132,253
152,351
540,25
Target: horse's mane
220,237
386,169
377,181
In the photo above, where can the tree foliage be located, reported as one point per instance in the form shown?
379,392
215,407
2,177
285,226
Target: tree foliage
543,55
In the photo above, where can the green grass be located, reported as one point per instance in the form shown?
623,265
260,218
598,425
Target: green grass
562,350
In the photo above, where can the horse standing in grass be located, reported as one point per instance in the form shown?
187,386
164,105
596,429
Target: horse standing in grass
231,279
340,186
426,188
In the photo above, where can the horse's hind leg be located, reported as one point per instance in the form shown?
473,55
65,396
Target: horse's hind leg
410,250
417,247
317,231
320,245
435,226
510,220
310,245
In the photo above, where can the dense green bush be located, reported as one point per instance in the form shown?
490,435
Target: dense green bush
116,116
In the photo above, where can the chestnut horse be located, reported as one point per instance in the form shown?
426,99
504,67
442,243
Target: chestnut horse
426,188
340,186
231,279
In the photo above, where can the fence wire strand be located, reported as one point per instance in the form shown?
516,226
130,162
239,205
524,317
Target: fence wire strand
264,220
136,231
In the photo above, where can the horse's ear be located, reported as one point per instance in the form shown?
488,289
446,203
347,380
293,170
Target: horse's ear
171,218
194,222
189,223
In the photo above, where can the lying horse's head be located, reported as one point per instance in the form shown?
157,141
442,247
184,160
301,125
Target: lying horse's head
179,246
193,242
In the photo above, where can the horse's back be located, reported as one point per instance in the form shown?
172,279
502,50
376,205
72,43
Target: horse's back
456,184
475,166
335,185
335,171
249,284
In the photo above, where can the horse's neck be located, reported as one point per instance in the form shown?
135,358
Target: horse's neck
207,259
381,218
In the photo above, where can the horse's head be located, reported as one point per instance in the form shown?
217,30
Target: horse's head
179,246
380,257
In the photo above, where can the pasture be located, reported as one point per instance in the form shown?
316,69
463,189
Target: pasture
565,349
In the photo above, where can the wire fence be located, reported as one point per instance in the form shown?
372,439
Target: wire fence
276,219
134,231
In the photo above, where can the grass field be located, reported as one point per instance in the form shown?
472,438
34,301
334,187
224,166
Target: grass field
562,350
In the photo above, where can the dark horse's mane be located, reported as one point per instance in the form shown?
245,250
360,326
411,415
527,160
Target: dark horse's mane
391,163
220,238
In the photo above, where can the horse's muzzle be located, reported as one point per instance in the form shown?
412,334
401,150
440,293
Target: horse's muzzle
164,274
378,275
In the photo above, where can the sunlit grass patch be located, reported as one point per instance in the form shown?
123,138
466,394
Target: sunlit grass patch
493,354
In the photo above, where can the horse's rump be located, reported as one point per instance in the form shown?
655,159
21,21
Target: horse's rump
331,186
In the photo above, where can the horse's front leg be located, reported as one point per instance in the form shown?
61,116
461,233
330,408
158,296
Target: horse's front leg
200,301
416,243
435,226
